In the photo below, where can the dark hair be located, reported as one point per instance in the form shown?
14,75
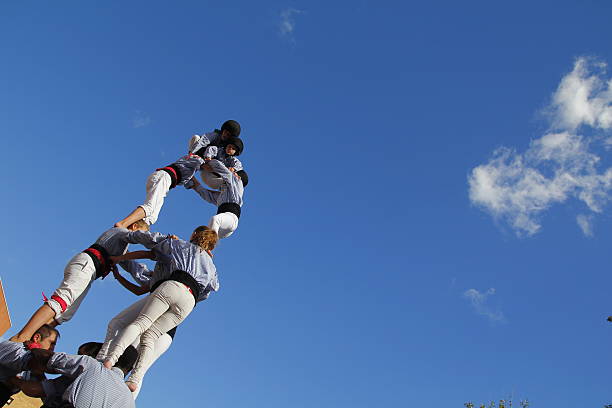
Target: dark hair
90,349
46,330
244,177
128,359
232,127
237,143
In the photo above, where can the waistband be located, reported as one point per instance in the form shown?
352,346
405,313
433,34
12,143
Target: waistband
175,174
184,278
229,207
99,255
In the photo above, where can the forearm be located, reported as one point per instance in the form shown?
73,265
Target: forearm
206,194
135,289
128,256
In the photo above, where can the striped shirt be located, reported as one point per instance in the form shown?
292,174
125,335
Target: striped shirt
231,190
116,240
93,386
176,254
13,359
187,166
214,152
198,142
143,275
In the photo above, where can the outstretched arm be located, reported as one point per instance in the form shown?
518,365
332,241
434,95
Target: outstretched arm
135,289
206,194
148,239
132,255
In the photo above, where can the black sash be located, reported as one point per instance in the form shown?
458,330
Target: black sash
229,207
184,278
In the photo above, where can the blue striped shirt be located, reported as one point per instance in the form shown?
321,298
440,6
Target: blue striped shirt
93,386
13,359
198,142
231,190
214,152
176,254
187,166
116,240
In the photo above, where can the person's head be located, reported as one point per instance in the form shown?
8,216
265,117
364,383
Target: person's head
234,146
244,177
204,237
230,128
127,360
44,338
139,225
90,349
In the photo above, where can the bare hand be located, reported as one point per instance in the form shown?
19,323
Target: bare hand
171,236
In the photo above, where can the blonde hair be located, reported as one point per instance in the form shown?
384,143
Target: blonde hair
140,224
205,238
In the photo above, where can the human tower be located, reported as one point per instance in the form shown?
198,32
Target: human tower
184,272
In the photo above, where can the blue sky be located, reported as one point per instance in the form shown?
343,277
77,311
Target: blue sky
389,254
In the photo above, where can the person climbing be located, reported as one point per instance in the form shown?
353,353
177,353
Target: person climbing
228,200
141,273
159,183
81,271
218,137
173,295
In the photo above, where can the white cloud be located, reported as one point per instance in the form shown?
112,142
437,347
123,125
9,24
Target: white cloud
584,97
479,303
518,187
287,22
585,222
140,119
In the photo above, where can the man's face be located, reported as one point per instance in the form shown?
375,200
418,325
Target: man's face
230,149
48,343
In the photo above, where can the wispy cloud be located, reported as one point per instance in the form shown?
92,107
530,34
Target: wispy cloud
562,164
479,303
286,26
585,222
140,119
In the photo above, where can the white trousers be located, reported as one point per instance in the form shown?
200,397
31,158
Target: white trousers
79,274
223,224
120,322
162,310
158,185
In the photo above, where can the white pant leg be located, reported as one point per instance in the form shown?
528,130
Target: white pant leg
119,322
158,185
175,302
162,344
223,224
165,308
78,277
213,181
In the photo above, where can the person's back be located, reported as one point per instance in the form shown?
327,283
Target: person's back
94,386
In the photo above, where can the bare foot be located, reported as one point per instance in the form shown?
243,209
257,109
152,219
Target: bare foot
132,386
108,364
